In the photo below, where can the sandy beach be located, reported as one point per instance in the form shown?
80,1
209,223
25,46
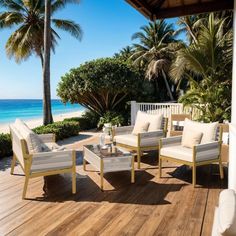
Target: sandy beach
4,128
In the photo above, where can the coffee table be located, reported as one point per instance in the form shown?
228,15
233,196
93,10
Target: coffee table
108,162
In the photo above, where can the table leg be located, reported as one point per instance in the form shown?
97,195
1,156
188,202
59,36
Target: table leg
101,174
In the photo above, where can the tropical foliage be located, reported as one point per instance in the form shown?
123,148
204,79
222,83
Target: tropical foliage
206,63
155,51
28,17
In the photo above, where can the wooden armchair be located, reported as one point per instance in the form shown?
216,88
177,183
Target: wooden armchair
171,149
143,141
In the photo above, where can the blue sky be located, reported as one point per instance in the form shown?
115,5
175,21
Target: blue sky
107,25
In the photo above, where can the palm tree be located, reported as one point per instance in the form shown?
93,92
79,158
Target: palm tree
190,25
154,50
28,38
207,66
125,53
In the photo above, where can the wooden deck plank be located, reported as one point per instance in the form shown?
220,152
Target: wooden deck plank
150,206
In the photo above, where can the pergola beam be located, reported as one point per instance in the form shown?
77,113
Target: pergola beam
189,9
158,9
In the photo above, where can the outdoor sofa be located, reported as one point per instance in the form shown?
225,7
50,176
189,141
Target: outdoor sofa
39,155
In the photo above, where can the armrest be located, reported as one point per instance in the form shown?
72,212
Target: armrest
45,155
47,138
165,142
152,134
122,130
208,151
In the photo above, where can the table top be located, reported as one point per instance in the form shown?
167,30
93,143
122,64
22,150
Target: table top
105,154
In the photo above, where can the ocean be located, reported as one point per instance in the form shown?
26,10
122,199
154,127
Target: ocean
26,109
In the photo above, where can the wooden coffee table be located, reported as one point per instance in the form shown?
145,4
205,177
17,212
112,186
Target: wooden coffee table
108,162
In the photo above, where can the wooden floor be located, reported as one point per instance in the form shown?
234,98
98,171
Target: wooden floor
151,206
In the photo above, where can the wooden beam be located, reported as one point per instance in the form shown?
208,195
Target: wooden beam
142,6
159,4
193,9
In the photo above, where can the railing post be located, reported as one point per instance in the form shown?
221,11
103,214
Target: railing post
133,112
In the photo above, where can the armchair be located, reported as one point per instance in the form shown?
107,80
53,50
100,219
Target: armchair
200,154
144,141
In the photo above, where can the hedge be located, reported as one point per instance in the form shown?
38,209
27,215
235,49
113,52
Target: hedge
62,129
5,145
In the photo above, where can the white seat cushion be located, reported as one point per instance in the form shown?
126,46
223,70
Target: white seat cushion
208,129
132,140
47,147
178,152
155,120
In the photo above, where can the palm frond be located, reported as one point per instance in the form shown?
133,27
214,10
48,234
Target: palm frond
61,4
9,19
70,27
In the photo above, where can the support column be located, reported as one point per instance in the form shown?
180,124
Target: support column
133,112
232,145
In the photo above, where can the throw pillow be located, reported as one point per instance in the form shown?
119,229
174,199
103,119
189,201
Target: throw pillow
191,138
140,127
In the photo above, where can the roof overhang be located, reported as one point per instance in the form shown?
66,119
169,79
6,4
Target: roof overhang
158,9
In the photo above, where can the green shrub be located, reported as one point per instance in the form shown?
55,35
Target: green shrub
62,129
87,121
111,117
5,145
102,85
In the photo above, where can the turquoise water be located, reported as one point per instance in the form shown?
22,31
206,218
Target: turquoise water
26,109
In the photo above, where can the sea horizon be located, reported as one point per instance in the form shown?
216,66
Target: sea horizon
28,109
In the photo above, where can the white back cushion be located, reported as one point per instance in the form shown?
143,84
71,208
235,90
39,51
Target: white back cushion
34,143
207,129
155,120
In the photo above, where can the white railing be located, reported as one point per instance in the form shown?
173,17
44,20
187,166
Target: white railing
162,108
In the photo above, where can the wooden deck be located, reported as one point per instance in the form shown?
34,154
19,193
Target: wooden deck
151,206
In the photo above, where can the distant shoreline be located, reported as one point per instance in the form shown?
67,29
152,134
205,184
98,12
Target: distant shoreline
32,123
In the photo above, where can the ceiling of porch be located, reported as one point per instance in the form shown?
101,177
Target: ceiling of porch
157,9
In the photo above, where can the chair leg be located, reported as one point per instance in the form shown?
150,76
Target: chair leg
13,163
160,167
194,175
25,186
139,158
74,182
132,171
221,169
84,164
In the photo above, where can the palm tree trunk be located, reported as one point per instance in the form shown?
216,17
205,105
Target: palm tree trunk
41,58
47,111
167,86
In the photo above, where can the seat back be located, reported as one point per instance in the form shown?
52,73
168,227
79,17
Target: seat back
19,146
177,123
